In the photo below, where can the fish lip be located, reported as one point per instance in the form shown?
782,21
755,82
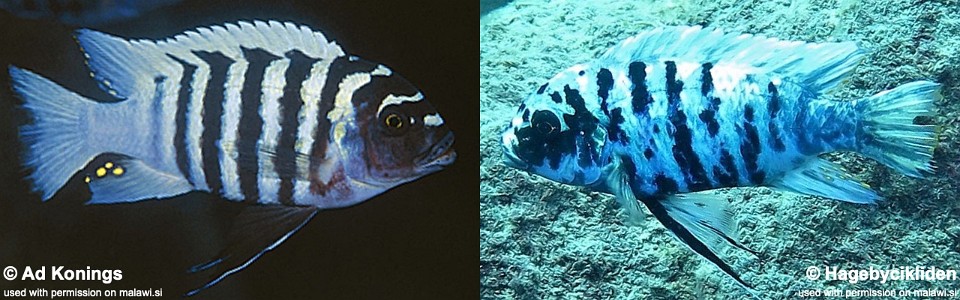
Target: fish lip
440,155
513,160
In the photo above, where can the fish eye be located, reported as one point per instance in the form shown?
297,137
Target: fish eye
546,123
394,121
545,127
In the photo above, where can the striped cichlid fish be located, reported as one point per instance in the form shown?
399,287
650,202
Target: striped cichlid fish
678,110
268,113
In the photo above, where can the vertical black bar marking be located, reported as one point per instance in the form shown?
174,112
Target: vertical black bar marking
674,86
180,120
708,115
750,150
640,96
604,84
730,176
556,97
617,135
285,161
213,99
581,123
706,79
686,158
251,123
773,106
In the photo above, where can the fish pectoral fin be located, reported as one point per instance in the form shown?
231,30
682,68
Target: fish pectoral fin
703,223
822,178
115,178
618,182
255,230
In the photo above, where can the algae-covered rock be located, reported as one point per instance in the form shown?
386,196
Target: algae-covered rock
543,240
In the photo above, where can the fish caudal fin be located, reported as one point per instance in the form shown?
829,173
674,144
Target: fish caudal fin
889,132
55,145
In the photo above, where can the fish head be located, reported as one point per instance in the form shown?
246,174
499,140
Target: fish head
399,135
554,135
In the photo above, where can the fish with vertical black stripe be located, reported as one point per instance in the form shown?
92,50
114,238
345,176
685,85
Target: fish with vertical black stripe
268,113
675,111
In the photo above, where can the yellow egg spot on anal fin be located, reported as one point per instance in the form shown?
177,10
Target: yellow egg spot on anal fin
86,179
118,171
101,172
108,165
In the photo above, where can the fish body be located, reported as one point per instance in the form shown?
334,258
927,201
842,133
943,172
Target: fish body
271,114
678,110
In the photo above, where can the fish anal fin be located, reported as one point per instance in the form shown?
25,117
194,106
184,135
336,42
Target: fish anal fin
115,178
702,222
255,230
823,178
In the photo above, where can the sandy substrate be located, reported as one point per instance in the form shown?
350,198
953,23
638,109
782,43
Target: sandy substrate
540,239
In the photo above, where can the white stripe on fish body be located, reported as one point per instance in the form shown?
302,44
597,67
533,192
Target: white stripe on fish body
310,95
194,125
229,172
343,105
272,89
396,100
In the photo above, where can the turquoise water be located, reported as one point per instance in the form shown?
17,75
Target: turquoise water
540,239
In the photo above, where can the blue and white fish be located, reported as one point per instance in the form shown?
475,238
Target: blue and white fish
268,113
678,110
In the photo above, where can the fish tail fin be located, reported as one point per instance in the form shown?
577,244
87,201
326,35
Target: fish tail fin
890,132
55,146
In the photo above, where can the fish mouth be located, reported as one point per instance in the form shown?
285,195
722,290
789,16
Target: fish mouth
439,156
512,160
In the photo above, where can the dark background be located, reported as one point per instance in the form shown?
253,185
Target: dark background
417,241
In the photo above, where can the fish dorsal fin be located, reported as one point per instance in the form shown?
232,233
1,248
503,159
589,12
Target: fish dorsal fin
256,230
822,178
125,67
817,66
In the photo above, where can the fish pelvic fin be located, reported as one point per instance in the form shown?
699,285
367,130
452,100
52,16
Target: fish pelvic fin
890,132
618,183
55,145
256,230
